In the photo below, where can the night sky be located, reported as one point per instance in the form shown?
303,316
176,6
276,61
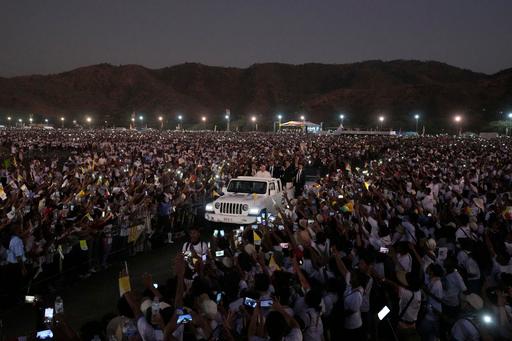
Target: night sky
40,37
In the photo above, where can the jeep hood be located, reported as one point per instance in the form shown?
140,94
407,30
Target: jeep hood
242,198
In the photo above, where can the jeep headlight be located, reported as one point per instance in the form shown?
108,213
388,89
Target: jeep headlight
217,205
254,211
209,207
245,207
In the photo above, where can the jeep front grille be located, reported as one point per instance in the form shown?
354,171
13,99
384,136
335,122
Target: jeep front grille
230,208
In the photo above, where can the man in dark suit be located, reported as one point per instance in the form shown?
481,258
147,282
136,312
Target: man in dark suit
276,171
299,180
287,177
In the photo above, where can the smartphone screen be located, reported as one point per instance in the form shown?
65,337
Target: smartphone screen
280,227
310,221
250,302
266,303
384,250
185,318
30,299
219,297
203,258
283,245
215,233
221,233
383,312
44,334
254,227
219,253
155,285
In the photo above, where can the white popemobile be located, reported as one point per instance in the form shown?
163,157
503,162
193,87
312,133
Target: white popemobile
245,199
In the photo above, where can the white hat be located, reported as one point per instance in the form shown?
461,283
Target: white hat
474,301
431,244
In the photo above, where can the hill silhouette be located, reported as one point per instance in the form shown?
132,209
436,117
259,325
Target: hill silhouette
362,91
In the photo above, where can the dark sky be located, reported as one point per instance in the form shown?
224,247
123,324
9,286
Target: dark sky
53,36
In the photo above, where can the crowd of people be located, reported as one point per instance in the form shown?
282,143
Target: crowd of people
397,239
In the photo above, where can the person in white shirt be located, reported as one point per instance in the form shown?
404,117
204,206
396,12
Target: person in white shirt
453,287
279,325
429,327
263,172
313,328
15,268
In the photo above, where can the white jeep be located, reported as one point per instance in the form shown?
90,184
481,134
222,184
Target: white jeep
246,198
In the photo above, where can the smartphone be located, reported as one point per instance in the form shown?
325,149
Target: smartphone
44,334
72,207
203,258
301,262
384,250
331,214
258,220
242,228
266,303
221,233
250,302
219,253
218,298
155,285
254,227
185,318
280,227
383,313
216,233
310,221
48,315
30,299
283,245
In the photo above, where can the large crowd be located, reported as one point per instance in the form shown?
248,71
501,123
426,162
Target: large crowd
394,239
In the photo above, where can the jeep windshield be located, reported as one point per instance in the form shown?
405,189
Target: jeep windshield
239,186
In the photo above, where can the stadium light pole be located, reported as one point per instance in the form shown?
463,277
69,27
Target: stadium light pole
9,120
20,120
161,120
46,121
30,120
141,119
204,122
227,122
510,122
253,119
416,117
62,122
303,119
458,120
180,118
280,120
88,119
381,121
342,117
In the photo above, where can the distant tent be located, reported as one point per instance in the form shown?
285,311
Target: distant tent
310,126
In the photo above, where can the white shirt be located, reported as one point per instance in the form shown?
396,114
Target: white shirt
454,286
314,328
147,332
16,249
263,174
411,311
352,300
404,262
469,264
463,330
436,288
200,248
